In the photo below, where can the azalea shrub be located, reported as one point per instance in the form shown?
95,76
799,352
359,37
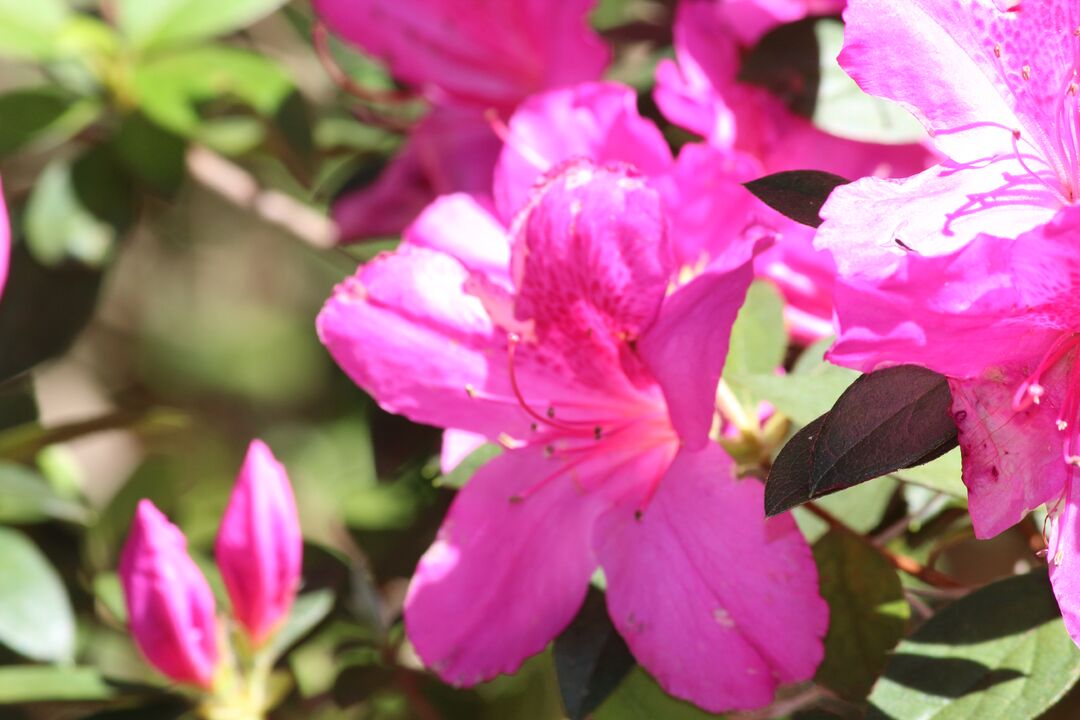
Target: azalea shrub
613,359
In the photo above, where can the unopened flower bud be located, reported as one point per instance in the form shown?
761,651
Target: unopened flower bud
170,606
259,546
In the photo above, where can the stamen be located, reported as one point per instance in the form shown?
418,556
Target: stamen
1031,390
513,340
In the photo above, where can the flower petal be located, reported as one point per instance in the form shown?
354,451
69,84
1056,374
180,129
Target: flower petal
405,329
591,262
748,615
464,227
969,71
482,54
870,225
504,577
1012,460
1063,551
597,121
450,150
686,347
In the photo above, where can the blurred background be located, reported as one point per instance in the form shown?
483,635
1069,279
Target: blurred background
172,249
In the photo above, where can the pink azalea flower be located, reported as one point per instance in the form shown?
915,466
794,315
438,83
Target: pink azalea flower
567,347
170,606
997,90
467,57
5,241
999,318
700,92
259,548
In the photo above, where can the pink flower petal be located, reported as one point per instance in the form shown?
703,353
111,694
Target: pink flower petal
597,121
719,604
504,577
405,329
592,262
1062,553
960,67
450,150
464,227
482,54
456,446
686,347
872,224
1013,461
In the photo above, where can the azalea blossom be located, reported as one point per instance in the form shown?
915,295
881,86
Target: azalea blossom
468,59
969,268
569,347
996,88
700,91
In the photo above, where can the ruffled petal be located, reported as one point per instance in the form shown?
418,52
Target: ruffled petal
748,615
597,121
504,577
686,347
405,329
464,227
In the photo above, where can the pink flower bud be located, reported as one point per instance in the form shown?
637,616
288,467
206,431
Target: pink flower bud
5,240
170,605
259,546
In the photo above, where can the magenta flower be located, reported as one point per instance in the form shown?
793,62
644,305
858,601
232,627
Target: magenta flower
5,241
467,59
170,605
999,318
259,548
969,268
568,348
700,91
997,90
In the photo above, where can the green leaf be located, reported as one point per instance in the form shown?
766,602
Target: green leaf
172,90
460,475
26,498
809,390
36,619
1001,653
758,341
943,475
640,698
30,683
31,114
28,30
867,612
44,308
58,226
163,23
308,611
861,508
844,109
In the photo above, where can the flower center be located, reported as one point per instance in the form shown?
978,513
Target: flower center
613,436
1032,390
